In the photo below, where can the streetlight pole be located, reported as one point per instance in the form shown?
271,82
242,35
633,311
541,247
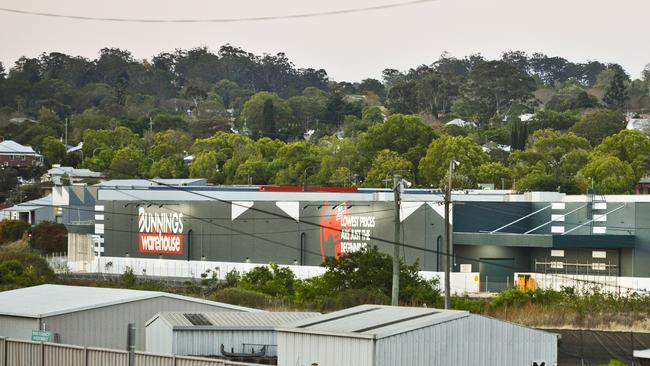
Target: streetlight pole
397,187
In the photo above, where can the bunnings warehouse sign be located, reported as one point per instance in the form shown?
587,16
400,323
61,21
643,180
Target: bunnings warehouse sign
160,232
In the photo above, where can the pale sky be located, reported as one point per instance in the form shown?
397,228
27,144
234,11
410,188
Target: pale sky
350,47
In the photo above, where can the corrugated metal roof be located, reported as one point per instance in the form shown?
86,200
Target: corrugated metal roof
234,320
49,300
374,321
12,147
32,205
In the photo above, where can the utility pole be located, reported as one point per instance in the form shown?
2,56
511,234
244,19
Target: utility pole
397,187
448,239
66,132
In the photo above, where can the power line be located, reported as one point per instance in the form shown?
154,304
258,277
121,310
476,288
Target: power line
221,20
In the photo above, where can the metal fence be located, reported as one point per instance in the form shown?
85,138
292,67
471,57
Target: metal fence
25,353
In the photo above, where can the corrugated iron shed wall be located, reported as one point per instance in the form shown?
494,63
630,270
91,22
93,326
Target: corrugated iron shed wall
208,342
17,327
106,326
324,350
472,340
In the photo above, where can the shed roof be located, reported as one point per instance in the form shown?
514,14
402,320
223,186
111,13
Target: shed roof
231,320
49,300
374,321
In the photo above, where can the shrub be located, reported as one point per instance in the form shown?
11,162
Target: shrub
49,237
272,280
18,269
243,297
509,297
12,230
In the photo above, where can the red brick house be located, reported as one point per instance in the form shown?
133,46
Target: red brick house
15,155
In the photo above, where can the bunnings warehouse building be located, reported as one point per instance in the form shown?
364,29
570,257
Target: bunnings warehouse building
495,233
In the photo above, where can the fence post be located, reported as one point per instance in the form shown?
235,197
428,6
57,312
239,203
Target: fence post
4,352
42,354
85,356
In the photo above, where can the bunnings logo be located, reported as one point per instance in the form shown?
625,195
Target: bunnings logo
160,232
344,232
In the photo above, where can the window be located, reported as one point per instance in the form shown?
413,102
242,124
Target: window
23,157
557,253
599,254
598,266
557,265
13,157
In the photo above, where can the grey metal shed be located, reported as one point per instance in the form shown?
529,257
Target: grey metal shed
202,334
370,335
91,316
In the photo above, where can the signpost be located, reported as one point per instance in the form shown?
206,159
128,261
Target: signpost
41,336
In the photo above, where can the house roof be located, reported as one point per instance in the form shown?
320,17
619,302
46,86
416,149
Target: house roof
230,320
12,147
460,123
127,183
73,172
373,321
49,300
31,205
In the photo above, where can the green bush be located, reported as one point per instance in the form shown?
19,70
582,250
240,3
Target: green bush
243,297
12,230
273,280
510,297
19,269
476,306
49,237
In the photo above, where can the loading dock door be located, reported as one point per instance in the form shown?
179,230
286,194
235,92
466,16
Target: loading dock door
496,273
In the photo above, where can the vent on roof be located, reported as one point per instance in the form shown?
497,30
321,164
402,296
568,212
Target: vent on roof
197,319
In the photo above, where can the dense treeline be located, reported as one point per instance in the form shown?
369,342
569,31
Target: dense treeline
254,119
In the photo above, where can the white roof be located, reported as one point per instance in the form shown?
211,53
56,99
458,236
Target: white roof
12,147
231,320
76,148
644,354
639,124
460,123
73,172
31,205
373,321
49,300
125,183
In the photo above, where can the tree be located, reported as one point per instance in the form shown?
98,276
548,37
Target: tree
268,115
570,97
53,150
128,162
435,164
168,167
493,89
518,133
494,173
629,146
8,180
49,237
385,164
560,121
168,143
367,274
291,161
406,135
169,121
553,160
253,115
609,174
597,125
616,93
206,165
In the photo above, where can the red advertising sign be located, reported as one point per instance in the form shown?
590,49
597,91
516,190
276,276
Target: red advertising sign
348,233
160,232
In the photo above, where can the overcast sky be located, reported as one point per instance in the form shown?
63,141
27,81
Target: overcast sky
349,46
